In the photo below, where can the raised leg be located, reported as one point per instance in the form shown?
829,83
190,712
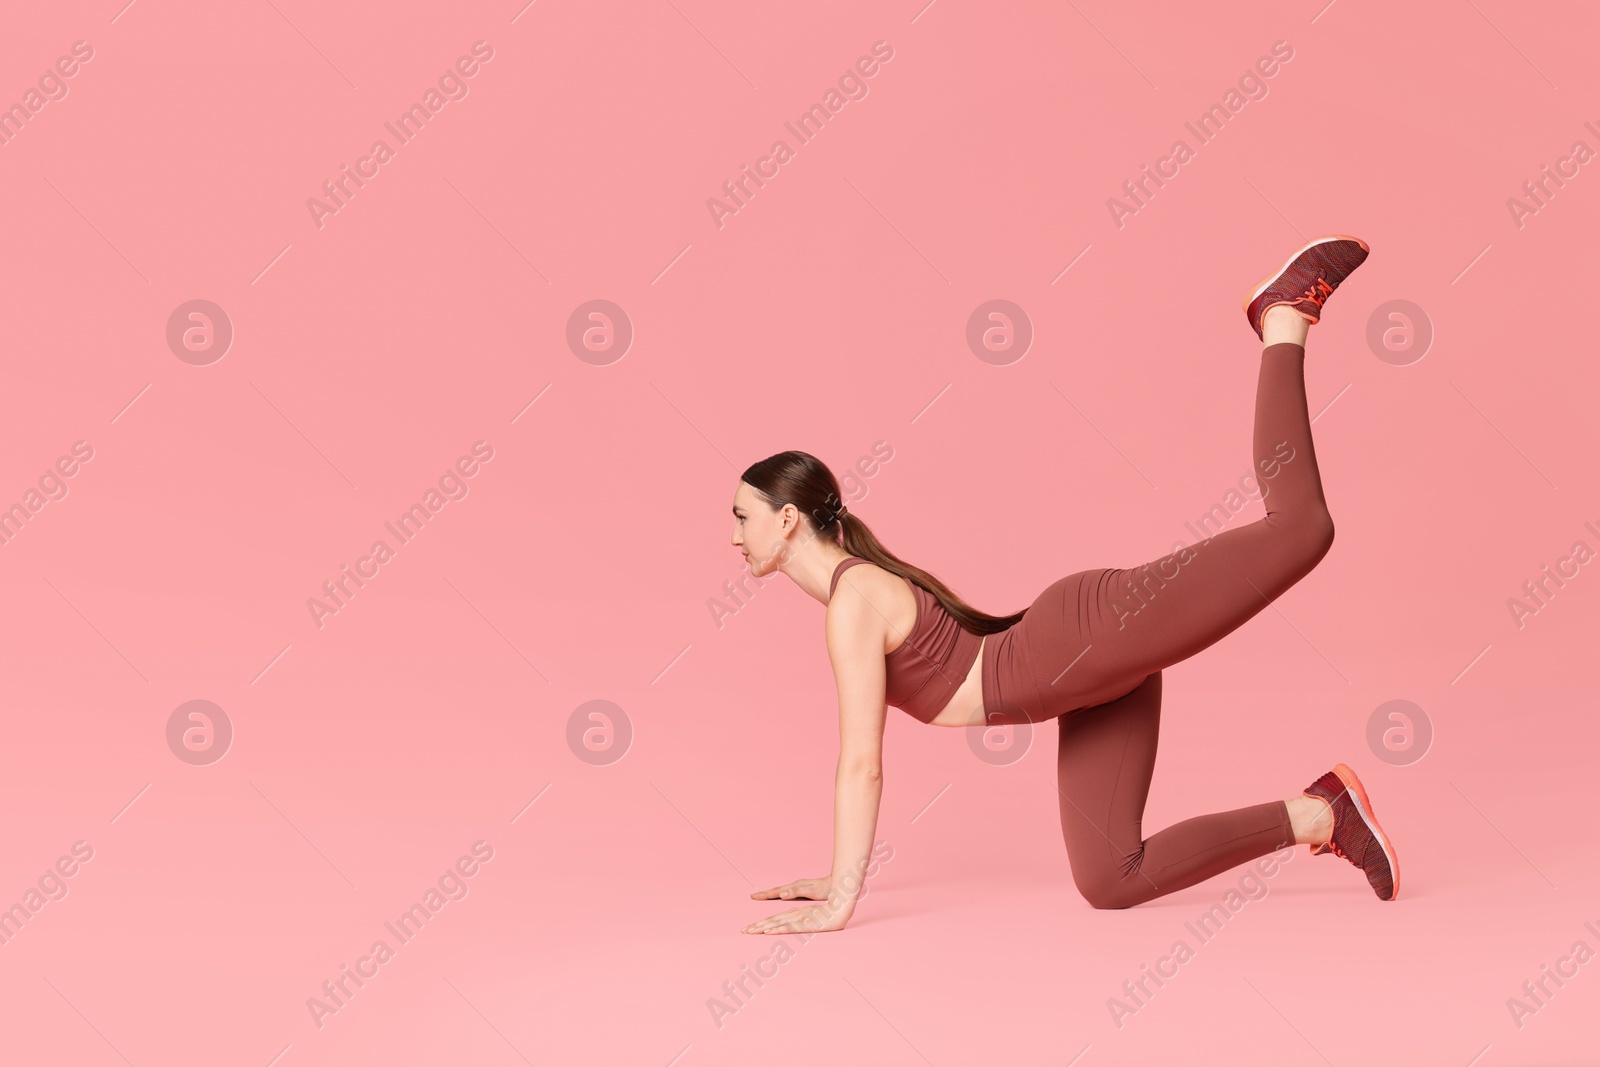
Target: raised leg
1132,622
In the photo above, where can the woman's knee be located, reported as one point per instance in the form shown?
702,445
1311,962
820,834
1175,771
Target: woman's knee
1319,533
1108,893
1309,531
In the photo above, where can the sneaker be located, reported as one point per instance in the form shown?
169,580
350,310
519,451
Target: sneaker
1357,836
1307,280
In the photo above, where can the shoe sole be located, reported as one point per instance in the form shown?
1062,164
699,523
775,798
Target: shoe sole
1261,287
1358,796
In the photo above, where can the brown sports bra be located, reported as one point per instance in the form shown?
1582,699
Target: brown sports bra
926,670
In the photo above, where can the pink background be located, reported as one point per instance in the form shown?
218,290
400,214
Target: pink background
826,315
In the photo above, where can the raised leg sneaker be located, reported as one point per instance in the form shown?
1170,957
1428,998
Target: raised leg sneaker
1356,834
1307,280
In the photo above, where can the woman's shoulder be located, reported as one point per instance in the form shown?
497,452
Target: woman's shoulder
846,564
859,608
870,590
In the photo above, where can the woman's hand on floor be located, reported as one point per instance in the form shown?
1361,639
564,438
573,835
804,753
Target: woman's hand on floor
813,918
803,889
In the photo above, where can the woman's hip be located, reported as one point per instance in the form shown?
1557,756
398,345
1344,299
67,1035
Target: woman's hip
1045,665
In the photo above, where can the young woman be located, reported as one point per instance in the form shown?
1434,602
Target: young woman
1088,652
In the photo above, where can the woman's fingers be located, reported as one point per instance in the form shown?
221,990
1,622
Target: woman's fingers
809,919
805,889
771,924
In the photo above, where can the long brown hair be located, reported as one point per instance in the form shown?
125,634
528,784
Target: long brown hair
801,479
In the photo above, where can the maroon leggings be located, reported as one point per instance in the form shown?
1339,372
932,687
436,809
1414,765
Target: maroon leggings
1090,650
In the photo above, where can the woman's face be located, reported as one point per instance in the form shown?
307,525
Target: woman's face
758,530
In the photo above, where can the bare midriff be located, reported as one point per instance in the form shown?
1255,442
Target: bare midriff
966,706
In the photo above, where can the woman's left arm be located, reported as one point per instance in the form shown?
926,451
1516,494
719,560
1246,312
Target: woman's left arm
855,648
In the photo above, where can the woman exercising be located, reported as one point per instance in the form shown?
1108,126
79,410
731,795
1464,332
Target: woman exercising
1087,652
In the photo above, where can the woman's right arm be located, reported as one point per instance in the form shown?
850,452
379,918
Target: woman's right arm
855,647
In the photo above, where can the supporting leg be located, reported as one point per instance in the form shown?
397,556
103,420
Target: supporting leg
1104,759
